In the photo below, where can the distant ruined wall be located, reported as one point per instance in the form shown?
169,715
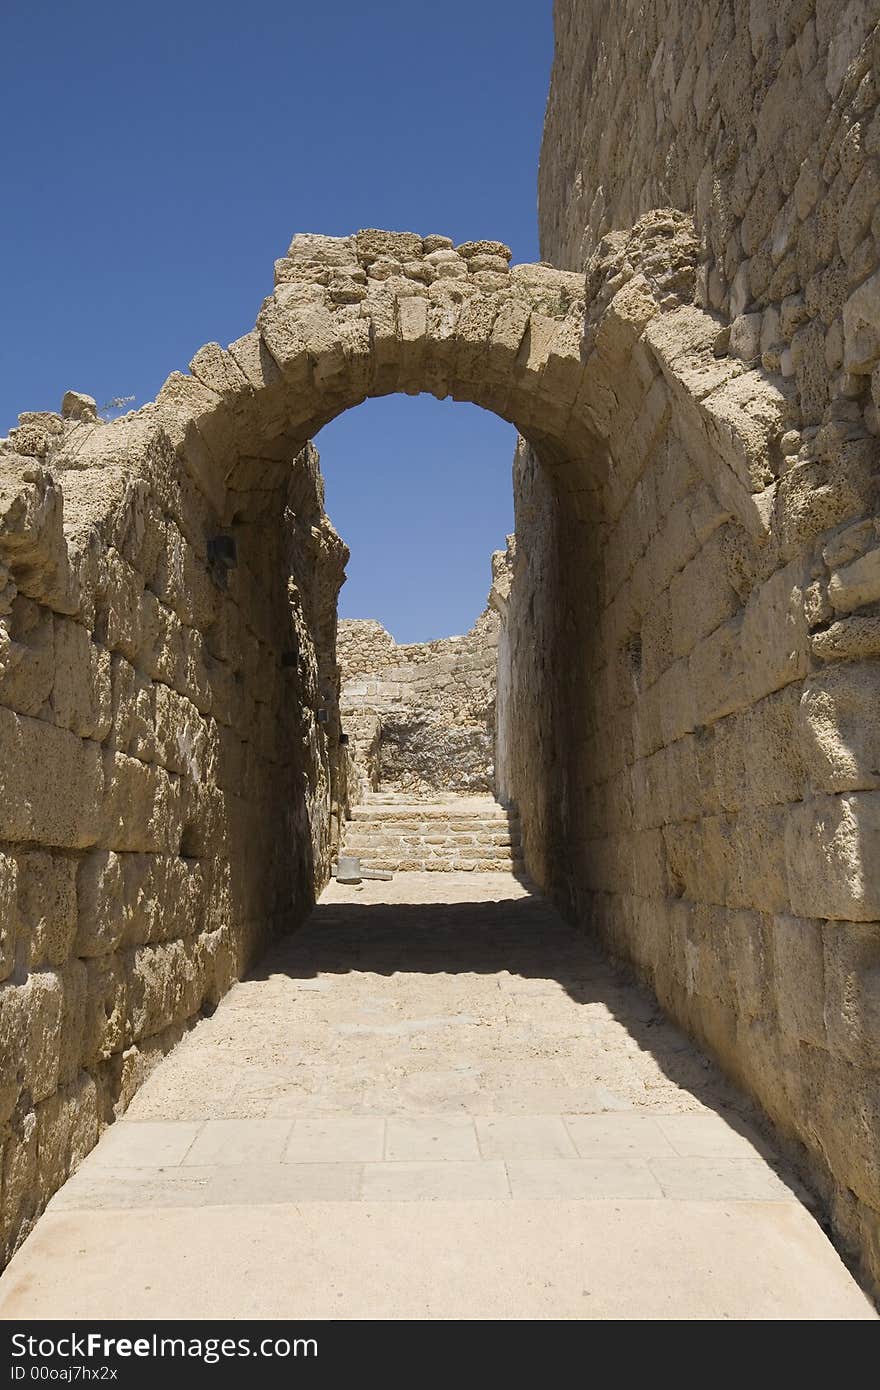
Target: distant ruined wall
165,791
693,675
420,715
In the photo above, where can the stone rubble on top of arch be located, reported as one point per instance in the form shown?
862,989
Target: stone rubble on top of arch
690,752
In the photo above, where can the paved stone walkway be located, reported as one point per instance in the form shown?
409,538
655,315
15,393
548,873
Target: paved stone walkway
436,1101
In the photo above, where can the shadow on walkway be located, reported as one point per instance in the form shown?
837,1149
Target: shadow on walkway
525,939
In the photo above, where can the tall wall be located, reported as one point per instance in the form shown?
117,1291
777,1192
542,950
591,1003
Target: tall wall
165,791
761,118
692,671
420,715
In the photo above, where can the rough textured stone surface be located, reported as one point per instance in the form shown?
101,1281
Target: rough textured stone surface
684,691
486,1057
420,715
685,708
171,785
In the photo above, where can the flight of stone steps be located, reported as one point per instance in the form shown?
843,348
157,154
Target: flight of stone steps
400,832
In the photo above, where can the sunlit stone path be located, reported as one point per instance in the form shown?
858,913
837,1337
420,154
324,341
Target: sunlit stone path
435,1101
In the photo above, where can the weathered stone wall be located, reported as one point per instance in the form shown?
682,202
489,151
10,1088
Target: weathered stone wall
761,118
171,785
165,792
691,672
420,715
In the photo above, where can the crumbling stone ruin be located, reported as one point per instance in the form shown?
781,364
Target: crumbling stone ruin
420,716
688,675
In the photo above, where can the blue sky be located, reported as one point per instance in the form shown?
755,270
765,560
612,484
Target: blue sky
158,158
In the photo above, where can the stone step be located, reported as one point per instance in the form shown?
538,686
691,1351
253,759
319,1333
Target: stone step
472,835
449,864
433,809
456,834
433,820
463,821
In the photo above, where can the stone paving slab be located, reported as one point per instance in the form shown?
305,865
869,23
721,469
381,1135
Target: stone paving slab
434,1092
487,1259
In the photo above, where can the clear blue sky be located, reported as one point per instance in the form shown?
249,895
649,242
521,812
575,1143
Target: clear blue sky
159,157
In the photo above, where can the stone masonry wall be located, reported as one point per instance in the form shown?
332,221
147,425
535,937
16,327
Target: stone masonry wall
691,675
761,118
171,783
420,715
165,791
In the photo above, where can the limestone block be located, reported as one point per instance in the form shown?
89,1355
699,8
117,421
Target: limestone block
147,889
182,738
474,330
106,1008
158,978
799,977
852,990
848,640
200,411
101,919
139,532
46,906
774,765
746,418
832,851
27,666
536,344
342,354
53,1141
436,243
9,918
31,1025
507,335
381,313
32,542
857,583
330,250
861,326
282,334
700,597
141,806
775,634
749,959
80,1096
19,1176
745,337
839,727
251,354
218,370
486,261
716,673
475,250
371,243
489,280
133,710
182,580
848,544
51,784
75,405
120,617
81,693
73,1015
761,879
413,327
811,499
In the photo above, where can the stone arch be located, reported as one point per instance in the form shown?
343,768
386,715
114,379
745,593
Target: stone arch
378,313
169,770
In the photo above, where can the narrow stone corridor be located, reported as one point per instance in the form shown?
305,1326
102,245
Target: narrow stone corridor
437,1100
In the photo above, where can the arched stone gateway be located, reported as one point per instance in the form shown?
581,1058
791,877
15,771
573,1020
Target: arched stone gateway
684,678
